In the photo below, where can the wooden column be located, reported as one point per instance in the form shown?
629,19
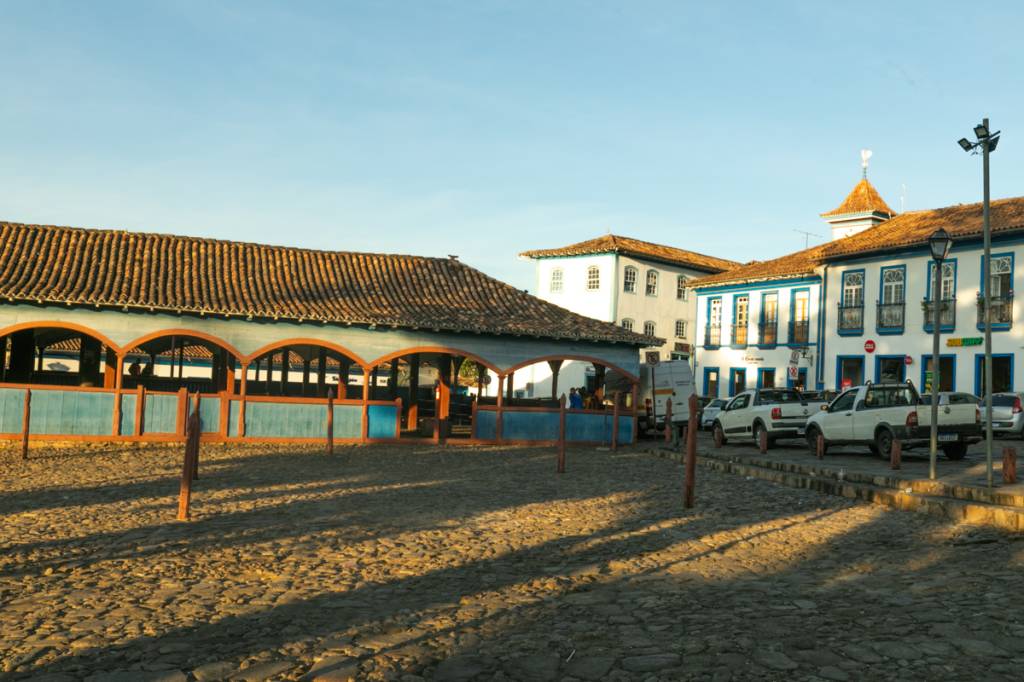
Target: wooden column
89,361
446,365
481,372
242,391
181,361
321,372
599,374
412,420
140,410
556,366
366,405
499,417
508,387
3,358
615,421
636,416
561,435
285,369
343,370
22,355
305,375
393,379
116,426
229,373
330,422
112,364
182,411
26,421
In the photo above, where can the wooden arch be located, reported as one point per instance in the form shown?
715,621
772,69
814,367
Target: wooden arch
433,349
302,341
217,341
582,358
57,324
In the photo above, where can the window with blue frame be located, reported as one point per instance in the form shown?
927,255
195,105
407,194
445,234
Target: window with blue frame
800,317
1001,292
768,326
892,305
946,297
851,303
713,329
740,320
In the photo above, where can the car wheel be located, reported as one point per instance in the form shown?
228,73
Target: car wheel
955,452
883,443
812,441
758,429
718,433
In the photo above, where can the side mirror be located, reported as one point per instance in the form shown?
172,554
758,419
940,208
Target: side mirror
824,408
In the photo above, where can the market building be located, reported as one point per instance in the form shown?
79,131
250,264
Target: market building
106,332
637,285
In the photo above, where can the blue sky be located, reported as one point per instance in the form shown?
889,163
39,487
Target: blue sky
487,128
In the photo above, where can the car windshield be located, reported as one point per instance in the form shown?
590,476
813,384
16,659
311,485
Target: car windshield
1003,400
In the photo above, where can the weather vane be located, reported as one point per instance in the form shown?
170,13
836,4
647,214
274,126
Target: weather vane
865,154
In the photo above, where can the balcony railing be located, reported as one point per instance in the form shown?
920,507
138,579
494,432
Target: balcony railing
768,333
712,335
891,316
851,318
1002,310
799,332
947,313
739,335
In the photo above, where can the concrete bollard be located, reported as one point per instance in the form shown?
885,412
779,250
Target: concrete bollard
762,442
896,454
821,446
1009,465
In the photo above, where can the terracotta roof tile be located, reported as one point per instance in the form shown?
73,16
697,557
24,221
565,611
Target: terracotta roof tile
48,264
640,249
914,227
863,199
797,264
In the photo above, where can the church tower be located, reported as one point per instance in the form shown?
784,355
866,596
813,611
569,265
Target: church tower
861,209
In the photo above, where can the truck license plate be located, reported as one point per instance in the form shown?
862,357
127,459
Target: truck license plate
948,437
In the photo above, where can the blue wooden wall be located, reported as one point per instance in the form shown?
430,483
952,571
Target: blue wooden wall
542,426
128,401
161,415
12,406
383,421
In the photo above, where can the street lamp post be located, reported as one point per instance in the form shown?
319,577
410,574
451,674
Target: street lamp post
987,142
940,243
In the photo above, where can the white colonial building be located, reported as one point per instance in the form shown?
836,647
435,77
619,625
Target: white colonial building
638,285
859,308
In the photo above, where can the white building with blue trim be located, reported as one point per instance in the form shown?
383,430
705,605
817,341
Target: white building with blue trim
858,308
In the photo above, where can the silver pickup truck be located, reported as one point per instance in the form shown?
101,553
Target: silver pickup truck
780,412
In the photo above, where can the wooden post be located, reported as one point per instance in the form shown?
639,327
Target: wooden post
412,419
499,416
668,419
762,441
196,424
393,379
561,435
305,375
691,455
189,467
821,446
330,421
509,390
718,438
229,374
365,432
1009,465
241,397
481,372
615,421
472,417
636,416
286,367
556,367
26,419
896,454
116,426
398,418
321,371
140,410
182,412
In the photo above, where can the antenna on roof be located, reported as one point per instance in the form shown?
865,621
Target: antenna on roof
865,154
807,236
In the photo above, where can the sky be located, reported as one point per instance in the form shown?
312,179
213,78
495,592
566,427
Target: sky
484,128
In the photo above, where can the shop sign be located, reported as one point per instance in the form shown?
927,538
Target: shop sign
752,359
964,341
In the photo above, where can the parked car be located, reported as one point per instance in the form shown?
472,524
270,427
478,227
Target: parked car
711,411
1007,416
876,414
952,398
819,396
780,412
672,380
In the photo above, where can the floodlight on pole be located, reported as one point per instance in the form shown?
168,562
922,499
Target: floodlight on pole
986,143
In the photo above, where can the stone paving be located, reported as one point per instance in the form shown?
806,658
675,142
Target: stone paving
480,563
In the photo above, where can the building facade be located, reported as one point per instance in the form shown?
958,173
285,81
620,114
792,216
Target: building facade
640,286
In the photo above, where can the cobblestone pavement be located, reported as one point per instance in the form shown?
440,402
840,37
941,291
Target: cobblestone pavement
458,564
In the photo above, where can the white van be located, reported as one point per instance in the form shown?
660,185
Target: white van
670,380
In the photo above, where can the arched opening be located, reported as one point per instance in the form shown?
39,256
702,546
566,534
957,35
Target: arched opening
584,381
440,389
57,356
170,362
303,370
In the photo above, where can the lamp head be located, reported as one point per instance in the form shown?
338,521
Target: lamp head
965,144
940,242
992,142
981,131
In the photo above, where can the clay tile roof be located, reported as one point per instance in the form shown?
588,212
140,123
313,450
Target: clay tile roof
799,264
144,271
611,243
863,199
914,227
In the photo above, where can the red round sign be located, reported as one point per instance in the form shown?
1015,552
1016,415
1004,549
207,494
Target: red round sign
907,360
869,346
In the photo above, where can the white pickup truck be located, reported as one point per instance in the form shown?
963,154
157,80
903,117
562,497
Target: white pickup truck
876,414
781,412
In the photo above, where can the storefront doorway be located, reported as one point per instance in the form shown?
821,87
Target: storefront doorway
1002,373
766,377
850,371
890,369
947,373
737,381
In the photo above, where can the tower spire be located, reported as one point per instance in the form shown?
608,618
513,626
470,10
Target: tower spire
865,154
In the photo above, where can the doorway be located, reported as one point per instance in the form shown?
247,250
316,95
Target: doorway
849,371
737,381
1002,373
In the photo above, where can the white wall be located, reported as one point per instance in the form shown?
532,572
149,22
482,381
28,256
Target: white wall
664,308
915,341
751,357
575,296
